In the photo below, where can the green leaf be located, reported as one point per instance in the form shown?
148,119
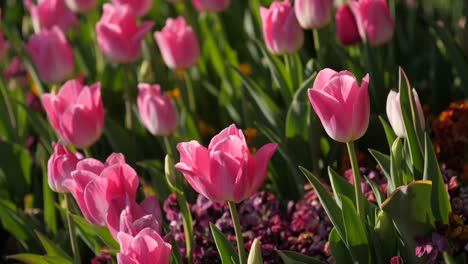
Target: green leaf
440,198
384,162
379,196
356,238
341,186
328,204
50,217
338,248
386,236
38,259
15,163
390,135
292,257
52,248
225,249
101,232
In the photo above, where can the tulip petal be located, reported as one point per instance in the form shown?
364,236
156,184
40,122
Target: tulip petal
125,240
361,111
323,77
224,172
95,200
262,158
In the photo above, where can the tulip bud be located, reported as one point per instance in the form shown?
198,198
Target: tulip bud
178,44
139,8
52,55
60,166
49,13
255,255
211,5
281,30
395,116
346,26
81,6
313,14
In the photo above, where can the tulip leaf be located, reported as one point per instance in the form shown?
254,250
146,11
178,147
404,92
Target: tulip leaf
389,134
101,232
379,196
292,257
50,216
384,162
51,247
341,186
329,205
225,249
386,236
440,198
356,238
38,259
15,167
338,248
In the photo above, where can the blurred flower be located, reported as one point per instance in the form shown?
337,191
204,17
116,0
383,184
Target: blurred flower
76,113
372,174
394,113
81,6
52,55
174,93
210,5
145,247
205,128
346,26
397,260
49,13
245,69
118,35
342,106
157,113
103,258
15,69
313,14
60,166
281,30
178,44
431,247
139,8
97,185
374,20
225,171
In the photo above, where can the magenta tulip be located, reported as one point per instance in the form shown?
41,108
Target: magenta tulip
342,106
118,35
50,13
97,185
52,55
144,248
178,44
394,113
81,6
60,166
157,113
374,20
313,14
225,171
281,30
134,218
211,5
139,8
346,26
76,113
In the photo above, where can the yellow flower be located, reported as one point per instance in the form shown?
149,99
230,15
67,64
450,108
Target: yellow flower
245,69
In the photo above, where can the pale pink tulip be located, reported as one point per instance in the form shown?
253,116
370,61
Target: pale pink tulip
211,5
49,13
178,44
118,35
281,30
81,6
60,166
346,26
52,55
157,113
313,14
342,106
394,113
147,247
139,8
76,113
97,185
225,171
134,218
374,20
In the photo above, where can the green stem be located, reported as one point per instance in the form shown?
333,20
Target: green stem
128,97
71,228
237,229
87,152
315,33
190,93
357,179
187,223
168,145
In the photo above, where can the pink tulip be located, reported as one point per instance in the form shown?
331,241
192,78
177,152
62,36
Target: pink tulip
313,14
97,185
81,6
394,113
281,30
52,55
342,106
118,35
157,113
50,13
346,26
374,20
211,5
138,8
60,166
178,44
134,218
226,171
145,248
76,113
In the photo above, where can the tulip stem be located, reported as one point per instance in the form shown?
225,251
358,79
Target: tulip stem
315,33
87,152
357,179
238,231
190,94
187,223
71,228
168,145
